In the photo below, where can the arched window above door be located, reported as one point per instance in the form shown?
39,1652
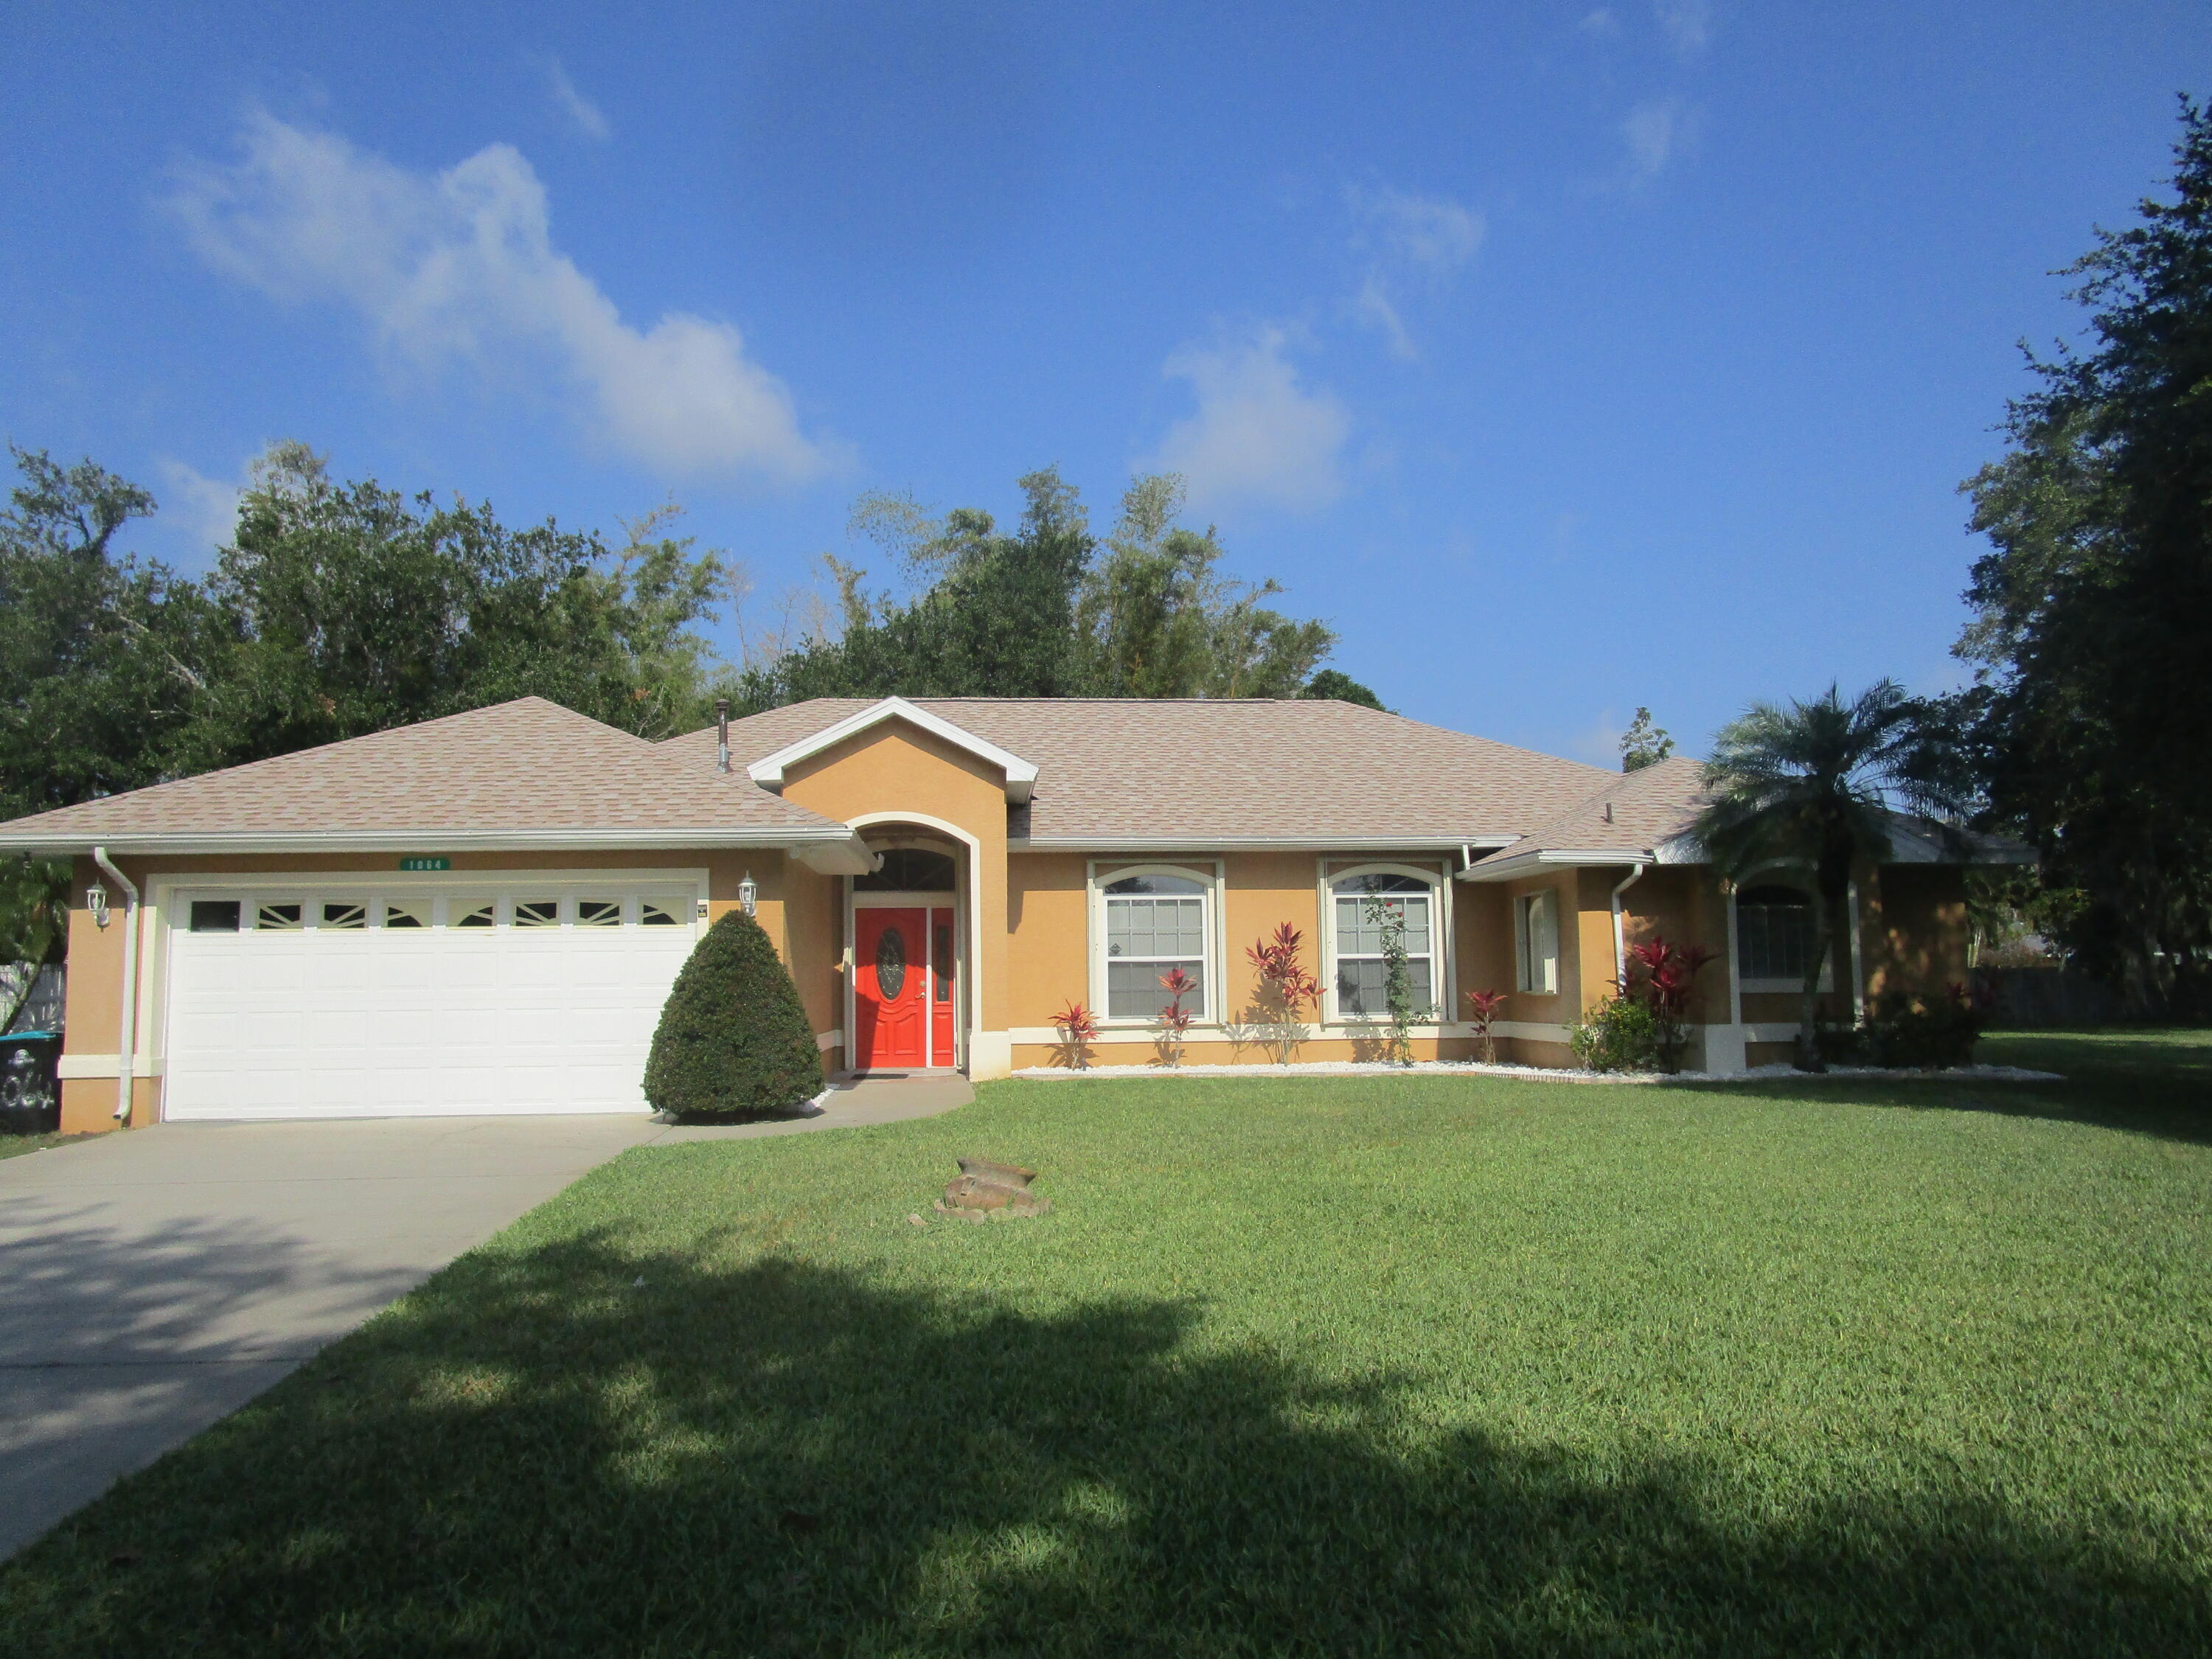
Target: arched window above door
908,870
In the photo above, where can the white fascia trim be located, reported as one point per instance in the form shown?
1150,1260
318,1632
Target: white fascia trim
430,841
1203,846
1021,775
1529,864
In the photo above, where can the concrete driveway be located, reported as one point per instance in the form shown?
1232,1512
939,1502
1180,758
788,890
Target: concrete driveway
156,1280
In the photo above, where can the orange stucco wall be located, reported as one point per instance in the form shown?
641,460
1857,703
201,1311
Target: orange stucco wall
1915,942
1050,944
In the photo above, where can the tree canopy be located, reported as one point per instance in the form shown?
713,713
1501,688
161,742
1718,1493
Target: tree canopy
1049,610
1644,743
2094,688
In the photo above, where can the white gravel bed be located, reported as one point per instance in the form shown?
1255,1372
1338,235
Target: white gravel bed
1533,1073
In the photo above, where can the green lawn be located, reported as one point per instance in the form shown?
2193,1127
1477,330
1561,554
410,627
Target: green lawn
16,1146
1307,1365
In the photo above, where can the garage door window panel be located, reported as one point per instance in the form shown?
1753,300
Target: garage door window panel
284,916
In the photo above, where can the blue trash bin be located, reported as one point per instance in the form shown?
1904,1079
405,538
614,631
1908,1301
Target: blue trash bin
30,1087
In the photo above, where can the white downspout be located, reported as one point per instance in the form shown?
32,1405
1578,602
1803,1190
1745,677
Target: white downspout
126,1059
1619,939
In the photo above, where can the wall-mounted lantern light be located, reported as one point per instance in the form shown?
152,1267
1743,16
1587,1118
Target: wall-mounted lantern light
748,894
95,900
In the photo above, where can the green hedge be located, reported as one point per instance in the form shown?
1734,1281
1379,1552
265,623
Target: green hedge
733,1040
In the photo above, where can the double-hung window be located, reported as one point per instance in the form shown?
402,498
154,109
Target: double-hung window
1368,907
1155,923
1536,941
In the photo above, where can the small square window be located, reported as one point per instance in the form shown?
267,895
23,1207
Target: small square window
214,915
538,913
344,918
475,916
650,915
598,913
406,916
278,918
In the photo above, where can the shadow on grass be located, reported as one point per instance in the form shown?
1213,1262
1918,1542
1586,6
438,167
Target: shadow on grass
2146,1083
537,1454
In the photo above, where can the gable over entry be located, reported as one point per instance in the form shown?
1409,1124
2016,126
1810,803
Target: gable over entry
1021,776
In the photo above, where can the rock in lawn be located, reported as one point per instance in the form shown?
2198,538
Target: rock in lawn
992,1192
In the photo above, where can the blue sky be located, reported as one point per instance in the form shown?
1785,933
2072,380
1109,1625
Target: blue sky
1564,357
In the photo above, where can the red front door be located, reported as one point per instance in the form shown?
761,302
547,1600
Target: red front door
891,987
941,982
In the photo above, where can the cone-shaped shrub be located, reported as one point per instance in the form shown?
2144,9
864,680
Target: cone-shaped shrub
734,1039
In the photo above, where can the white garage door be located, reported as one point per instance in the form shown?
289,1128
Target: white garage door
517,998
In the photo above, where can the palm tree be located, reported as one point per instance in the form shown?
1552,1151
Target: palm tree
1821,785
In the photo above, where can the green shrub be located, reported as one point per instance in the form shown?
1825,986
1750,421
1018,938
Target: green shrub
734,1039
1623,1033
1910,1033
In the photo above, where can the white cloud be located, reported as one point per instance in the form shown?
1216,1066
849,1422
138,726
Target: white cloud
573,104
201,510
1258,435
458,268
1405,237
1432,233
1653,132
1372,306
1687,23
1601,22
1598,744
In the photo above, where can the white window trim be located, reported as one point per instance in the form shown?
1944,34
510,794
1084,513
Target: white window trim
1550,895
1208,873
1442,953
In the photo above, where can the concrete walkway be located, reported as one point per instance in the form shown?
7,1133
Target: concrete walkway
153,1281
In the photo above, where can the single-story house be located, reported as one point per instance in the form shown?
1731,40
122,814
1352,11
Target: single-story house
484,912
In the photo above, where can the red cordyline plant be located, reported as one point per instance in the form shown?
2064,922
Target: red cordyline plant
1079,1027
1483,1008
1670,973
1174,1018
1285,985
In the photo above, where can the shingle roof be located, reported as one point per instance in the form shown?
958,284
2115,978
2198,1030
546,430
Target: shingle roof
1650,807
1132,769
527,767
1657,804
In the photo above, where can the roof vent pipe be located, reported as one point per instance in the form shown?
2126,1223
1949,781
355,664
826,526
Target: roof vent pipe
1608,811
722,734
